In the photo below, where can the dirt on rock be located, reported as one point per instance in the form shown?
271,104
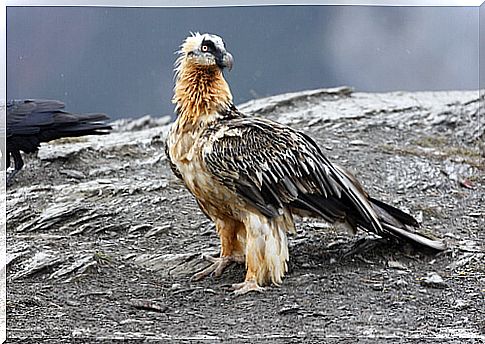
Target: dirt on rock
102,239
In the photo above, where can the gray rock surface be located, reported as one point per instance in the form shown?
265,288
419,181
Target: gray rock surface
103,239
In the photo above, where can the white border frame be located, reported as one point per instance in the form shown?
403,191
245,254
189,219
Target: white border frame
151,3
226,3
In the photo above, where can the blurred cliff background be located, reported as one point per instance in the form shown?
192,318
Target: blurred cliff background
120,60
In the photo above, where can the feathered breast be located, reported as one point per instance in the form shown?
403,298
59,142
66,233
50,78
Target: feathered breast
199,91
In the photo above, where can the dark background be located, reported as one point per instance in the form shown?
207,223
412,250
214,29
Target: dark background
120,60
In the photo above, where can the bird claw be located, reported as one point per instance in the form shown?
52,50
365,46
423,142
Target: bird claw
217,267
246,287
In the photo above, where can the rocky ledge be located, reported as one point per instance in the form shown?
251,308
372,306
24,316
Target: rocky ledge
102,239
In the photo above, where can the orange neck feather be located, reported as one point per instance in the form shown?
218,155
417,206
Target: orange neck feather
199,91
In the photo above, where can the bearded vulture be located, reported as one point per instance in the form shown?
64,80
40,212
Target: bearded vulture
251,175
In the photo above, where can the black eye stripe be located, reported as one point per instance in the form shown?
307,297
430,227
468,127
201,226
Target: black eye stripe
211,47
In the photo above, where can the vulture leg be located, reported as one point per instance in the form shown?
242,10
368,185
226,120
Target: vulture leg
232,248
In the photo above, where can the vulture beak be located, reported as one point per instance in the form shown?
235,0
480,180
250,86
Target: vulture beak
227,61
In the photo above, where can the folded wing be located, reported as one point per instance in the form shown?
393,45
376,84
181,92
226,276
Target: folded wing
273,167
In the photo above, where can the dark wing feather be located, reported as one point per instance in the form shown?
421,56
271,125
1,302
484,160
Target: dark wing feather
273,166
28,106
26,116
30,122
34,116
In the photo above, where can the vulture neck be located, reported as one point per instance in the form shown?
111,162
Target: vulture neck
200,91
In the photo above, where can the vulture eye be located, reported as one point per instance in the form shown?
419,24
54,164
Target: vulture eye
205,48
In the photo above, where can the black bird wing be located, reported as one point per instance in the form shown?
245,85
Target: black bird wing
47,120
30,122
25,117
272,167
